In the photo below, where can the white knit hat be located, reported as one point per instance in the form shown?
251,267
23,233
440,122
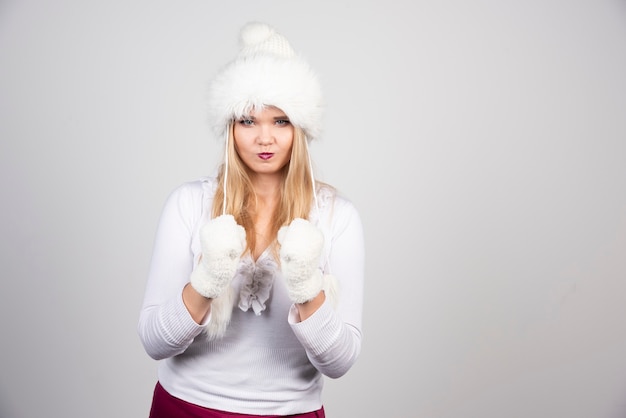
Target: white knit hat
266,72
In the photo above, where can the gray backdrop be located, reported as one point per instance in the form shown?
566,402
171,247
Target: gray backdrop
483,142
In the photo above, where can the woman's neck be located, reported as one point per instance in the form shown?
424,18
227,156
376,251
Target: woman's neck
266,189
267,195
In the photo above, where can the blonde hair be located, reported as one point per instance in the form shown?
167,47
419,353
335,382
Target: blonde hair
296,189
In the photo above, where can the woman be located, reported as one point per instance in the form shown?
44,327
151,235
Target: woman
256,283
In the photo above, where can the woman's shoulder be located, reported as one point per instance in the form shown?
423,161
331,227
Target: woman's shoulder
334,205
198,186
193,193
329,196
192,199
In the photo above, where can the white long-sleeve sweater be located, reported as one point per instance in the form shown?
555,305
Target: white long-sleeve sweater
268,363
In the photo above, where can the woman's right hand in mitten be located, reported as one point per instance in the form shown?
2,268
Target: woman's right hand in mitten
222,241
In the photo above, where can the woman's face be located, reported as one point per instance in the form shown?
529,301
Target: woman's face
264,140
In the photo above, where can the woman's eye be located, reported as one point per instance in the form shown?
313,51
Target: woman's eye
246,122
282,122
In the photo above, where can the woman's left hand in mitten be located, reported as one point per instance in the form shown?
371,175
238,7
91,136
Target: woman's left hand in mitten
301,245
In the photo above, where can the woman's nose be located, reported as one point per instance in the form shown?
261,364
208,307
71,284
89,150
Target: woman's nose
266,135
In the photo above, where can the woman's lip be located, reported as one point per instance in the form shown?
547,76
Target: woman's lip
265,155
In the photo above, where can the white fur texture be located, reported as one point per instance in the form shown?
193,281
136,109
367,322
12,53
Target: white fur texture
221,312
301,247
223,242
266,72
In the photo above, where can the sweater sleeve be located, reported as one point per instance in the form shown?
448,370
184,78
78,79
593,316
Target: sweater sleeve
332,336
165,326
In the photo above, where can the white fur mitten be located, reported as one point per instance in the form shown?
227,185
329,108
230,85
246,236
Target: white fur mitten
301,245
222,241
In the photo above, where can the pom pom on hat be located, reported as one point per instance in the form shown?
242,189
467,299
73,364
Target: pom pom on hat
266,72
256,37
254,33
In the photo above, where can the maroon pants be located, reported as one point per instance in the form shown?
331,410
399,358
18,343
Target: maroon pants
165,405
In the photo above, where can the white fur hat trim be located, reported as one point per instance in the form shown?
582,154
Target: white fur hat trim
266,72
